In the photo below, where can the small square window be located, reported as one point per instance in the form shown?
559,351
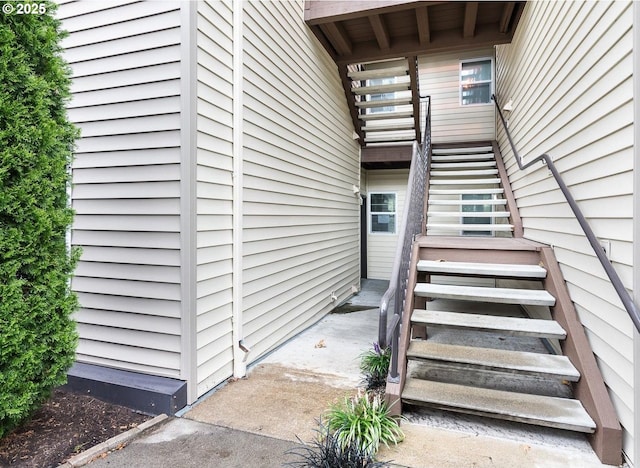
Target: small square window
382,211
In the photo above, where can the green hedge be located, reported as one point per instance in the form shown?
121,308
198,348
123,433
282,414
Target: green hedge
36,142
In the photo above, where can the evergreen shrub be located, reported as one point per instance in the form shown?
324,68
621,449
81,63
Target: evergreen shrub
37,333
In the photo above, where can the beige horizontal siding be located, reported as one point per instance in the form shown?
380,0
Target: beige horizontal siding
125,62
569,74
214,189
301,217
439,77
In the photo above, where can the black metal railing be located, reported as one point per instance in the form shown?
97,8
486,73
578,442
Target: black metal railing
412,224
622,292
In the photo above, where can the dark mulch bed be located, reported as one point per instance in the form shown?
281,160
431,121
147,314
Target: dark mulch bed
67,424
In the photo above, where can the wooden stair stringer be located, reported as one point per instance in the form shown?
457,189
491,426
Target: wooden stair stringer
512,207
590,390
393,391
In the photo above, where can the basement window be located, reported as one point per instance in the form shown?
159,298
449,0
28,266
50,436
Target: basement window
476,81
382,213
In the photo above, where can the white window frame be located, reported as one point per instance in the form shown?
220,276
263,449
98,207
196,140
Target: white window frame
491,81
490,220
381,96
371,213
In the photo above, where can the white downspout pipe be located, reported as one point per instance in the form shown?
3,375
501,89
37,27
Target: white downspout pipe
239,349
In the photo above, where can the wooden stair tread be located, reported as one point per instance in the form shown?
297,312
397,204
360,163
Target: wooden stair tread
543,365
562,413
515,326
484,269
484,294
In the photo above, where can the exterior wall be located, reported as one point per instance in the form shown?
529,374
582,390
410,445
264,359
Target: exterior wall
214,193
300,163
125,60
569,73
439,76
381,248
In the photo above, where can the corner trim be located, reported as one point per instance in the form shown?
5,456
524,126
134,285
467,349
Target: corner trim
188,177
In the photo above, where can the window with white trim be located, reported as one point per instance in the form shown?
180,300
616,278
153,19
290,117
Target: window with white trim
382,213
479,208
476,81
381,96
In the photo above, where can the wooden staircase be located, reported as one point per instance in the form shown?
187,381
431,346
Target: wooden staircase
488,327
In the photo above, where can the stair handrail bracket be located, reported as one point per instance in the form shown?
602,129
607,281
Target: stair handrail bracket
412,225
623,294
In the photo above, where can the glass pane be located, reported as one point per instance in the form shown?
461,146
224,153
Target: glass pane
477,209
476,71
383,202
476,94
383,223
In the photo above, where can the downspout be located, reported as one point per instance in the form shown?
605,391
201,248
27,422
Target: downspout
636,230
188,278
240,351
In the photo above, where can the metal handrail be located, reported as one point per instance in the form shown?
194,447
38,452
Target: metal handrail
412,222
623,294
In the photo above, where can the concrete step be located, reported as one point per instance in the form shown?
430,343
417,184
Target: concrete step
482,181
463,165
469,214
462,157
512,326
483,269
463,172
469,227
561,413
458,192
463,150
474,293
494,202
513,362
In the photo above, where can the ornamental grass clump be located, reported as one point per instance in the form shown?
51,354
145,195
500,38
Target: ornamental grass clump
327,452
364,420
374,364
36,145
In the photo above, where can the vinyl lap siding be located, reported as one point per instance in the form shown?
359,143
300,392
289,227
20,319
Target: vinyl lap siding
301,217
125,60
214,193
569,73
439,76
381,248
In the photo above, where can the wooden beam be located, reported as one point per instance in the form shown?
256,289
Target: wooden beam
390,154
606,441
338,37
415,95
518,230
326,11
422,18
346,84
380,30
470,18
507,11
444,41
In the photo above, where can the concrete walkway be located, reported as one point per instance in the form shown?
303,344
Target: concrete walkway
252,422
